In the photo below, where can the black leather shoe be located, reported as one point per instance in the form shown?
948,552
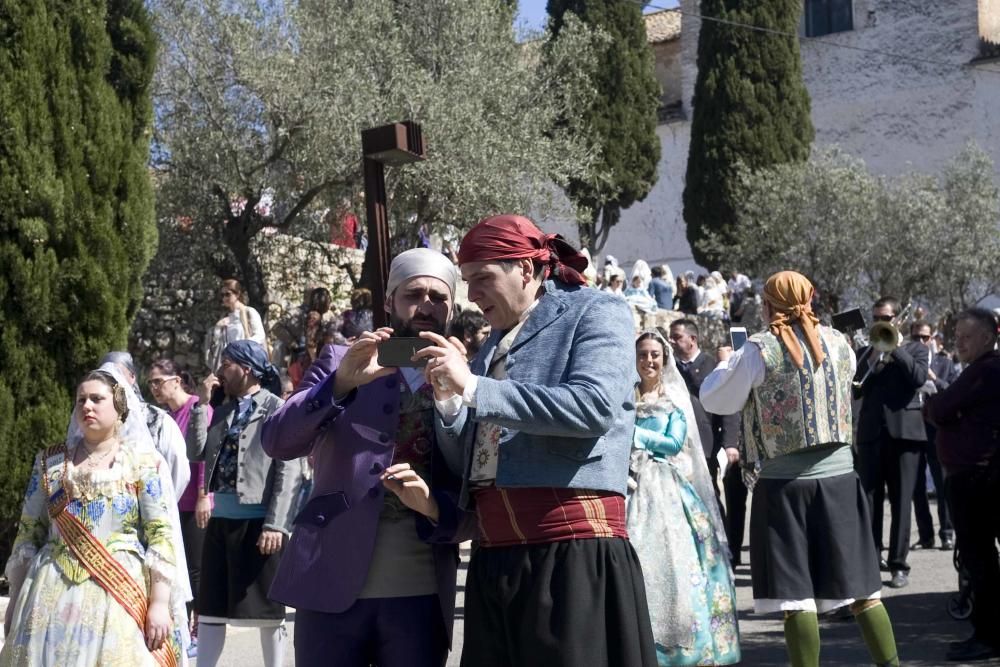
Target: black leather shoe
970,651
899,579
948,544
883,564
923,545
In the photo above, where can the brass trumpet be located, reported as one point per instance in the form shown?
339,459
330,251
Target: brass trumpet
883,337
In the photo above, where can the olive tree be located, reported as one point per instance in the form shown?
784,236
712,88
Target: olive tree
933,239
261,106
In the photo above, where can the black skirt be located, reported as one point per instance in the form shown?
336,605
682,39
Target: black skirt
236,577
811,542
562,604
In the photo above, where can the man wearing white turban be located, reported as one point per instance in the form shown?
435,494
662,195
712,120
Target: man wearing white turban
371,577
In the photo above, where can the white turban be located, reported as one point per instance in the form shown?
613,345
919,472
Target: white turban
421,262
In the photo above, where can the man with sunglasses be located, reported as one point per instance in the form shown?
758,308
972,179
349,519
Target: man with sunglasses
938,378
891,435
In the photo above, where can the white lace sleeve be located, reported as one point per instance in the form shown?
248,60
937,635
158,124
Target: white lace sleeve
33,527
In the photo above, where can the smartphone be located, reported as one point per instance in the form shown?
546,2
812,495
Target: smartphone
396,352
737,336
849,321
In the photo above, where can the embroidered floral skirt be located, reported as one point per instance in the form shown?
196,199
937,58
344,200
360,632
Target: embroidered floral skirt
689,582
59,623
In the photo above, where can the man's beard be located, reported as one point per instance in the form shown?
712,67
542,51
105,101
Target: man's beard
404,328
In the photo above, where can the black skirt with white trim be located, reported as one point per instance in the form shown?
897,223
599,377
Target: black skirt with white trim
811,539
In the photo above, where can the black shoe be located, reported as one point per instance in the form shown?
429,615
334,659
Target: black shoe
923,545
883,565
899,579
970,651
948,544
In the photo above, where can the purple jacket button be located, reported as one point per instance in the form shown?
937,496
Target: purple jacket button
387,408
376,468
383,437
373,492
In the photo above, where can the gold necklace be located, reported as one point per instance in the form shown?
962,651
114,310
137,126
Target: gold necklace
92,462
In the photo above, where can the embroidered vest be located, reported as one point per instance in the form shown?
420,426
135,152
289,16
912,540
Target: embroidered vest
797,408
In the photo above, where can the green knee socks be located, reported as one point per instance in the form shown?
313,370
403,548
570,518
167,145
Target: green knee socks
876,628
802,638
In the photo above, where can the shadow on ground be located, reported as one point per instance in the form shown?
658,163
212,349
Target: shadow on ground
921,623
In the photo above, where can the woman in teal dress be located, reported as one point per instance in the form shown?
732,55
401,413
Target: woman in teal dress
674,522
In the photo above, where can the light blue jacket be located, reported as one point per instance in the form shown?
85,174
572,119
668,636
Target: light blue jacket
567,407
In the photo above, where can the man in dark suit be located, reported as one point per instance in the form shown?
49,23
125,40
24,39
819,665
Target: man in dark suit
942,373
717,432
891,435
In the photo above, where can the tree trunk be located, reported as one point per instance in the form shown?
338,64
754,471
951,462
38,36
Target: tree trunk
237,234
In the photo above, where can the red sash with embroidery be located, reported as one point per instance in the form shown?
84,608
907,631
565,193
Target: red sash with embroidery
98,561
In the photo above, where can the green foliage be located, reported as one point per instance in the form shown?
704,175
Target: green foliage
256,104
857,236
76,210
750,107
620,121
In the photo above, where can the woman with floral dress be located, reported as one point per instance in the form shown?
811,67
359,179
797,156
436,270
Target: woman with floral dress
674,523
93,562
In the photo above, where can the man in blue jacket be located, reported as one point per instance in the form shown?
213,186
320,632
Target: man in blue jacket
545,420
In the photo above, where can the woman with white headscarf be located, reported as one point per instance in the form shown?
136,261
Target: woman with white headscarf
714,298
94,567
685,563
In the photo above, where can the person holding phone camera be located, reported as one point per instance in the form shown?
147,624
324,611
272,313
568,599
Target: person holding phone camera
371,565
793,386
545,419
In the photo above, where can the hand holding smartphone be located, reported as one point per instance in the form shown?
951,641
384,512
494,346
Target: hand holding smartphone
737,337
398,352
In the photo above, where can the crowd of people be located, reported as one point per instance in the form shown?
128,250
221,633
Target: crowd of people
713,295
587,463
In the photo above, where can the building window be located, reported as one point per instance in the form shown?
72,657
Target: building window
822,17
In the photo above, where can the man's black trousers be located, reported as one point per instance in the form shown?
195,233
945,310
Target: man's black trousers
893,463
974,498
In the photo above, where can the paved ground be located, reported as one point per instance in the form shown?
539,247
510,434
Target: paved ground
919,614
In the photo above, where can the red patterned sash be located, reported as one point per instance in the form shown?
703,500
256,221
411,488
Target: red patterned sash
102,566
535,515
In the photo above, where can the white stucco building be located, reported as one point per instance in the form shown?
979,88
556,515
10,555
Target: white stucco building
895,114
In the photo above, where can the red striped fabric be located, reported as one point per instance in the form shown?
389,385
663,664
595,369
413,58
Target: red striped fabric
539,515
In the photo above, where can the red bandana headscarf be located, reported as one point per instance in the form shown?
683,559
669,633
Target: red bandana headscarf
789,294
515,237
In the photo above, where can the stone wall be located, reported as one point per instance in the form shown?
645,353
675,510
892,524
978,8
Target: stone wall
181,288
293,267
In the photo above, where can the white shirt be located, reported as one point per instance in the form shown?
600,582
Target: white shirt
169,442
727,388
230,329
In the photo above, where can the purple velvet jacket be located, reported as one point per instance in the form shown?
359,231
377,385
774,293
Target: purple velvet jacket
325,564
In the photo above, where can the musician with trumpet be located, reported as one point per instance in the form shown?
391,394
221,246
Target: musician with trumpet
890,429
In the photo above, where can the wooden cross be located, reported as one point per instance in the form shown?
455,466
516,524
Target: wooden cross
395,144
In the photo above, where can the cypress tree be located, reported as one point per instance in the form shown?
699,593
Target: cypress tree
77,222
622,120
750,107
